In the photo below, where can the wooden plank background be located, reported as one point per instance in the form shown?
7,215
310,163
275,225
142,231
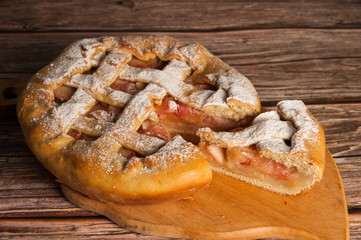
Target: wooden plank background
308,50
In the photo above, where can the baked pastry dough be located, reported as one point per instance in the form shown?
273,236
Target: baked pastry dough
282,151
93,117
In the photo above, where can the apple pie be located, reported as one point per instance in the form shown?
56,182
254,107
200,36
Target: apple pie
115,118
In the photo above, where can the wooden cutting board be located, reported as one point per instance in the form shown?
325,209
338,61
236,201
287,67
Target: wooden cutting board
231,209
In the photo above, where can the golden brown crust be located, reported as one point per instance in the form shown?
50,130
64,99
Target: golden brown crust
166,170
140,181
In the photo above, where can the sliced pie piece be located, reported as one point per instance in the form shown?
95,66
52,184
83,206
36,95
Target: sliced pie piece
282,151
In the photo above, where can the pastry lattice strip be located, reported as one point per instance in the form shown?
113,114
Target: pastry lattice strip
97,167
230,86
124,130
171,78
97,85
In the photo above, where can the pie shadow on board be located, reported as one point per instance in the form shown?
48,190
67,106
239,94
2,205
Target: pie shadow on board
231,209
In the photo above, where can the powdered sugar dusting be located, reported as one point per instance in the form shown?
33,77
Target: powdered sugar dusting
170,78
192,53
135,113
268,130
78,105
218,98
173,105
275,145
91,126
297,112
77,56
110,67
178,148
262,130
267,116
106,73
103,115
98,83
236,85
114,97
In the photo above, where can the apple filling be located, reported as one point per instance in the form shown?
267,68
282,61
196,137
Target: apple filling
155,129
63,93
246,162
105,112
182,118
80,136
127,153
154,63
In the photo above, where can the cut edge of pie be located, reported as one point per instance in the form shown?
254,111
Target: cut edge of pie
282,151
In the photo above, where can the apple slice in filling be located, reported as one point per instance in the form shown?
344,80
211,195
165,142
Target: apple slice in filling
181,118
247,161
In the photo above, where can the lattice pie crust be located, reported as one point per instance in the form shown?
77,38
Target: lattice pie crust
109,116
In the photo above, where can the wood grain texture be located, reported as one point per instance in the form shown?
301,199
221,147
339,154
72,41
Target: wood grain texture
341,123
267,57
314,81
355,225
350,170
65,228
12,141
244,212
94,227
28,189
143,15
29,52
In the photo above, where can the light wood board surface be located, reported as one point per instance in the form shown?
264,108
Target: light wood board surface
231,209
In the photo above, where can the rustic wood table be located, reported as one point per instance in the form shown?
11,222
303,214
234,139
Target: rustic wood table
309,50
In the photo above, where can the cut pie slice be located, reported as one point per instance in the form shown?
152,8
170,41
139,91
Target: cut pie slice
282,151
